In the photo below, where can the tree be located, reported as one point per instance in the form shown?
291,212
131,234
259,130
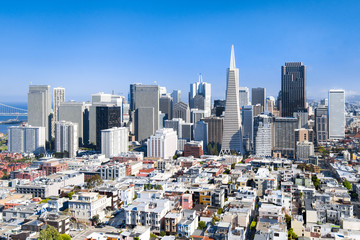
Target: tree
96,219
50,233
94,181
65,236
219,211
347,184
227,171
201,225
233,166
162,233
288,220
253,225
316,181
291,234
70,194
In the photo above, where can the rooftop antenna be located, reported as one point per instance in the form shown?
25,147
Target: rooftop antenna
200,77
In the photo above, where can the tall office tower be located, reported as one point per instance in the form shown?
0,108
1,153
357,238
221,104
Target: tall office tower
39,107
176,125
336,114
106,117
197,115
270,104
126,113
201,133
163,144
181,110
258,96
77,112
263,135
132,95
176,96
146,106
200,96
284,136
58,98
165,105
26,139
187,130
243,96
303,118
293,88
219,107
324,102
102,99
114,141
215,129
162,90
232,121
162,118
247,127
321,124
66,138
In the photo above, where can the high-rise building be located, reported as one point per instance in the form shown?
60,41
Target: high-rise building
258,96
243,96
303,118
176,96
176,125
58,98
270,104
293,88
321,124
247,127
304,150
232,122
114,141
66,138
146,105
336,114
106,117
187,130
26,139
181,110
197,115
215,129
284,135
219,107
263,135
39,107
201,133
77,112
163,144
165,105
200,96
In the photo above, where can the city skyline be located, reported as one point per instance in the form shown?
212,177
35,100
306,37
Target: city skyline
174,46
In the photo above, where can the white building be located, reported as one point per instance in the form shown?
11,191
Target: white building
66,138
243,96
163,144
26,139
114,141
203,90
304,150
85,205
336,114
263,143
114,171
58,98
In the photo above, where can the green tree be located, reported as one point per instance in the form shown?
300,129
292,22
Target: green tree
347,184
65,236
253,225
227,171
162,233
233,166
201,225
70,194
94,181
50,233
316,181
219,211
288,220
96,219
291,234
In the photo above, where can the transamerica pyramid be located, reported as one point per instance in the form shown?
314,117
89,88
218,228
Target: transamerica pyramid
232,121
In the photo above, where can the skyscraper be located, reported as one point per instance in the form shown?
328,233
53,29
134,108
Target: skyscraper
293,88
165,105
284,135
58,98
66,138
243,96
114,141
163,144
258,96
247,127
263,135
176,95
106,117
336,114
39,107
321,124
181,110
26,139
232,122
200,96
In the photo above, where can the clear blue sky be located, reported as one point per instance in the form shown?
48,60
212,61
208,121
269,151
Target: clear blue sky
92,46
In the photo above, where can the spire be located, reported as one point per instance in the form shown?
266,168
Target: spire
232,59
200,77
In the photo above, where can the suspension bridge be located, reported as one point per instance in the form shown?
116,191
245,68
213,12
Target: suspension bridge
6,110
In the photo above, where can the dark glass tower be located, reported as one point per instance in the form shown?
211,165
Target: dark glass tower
106,117
293,88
